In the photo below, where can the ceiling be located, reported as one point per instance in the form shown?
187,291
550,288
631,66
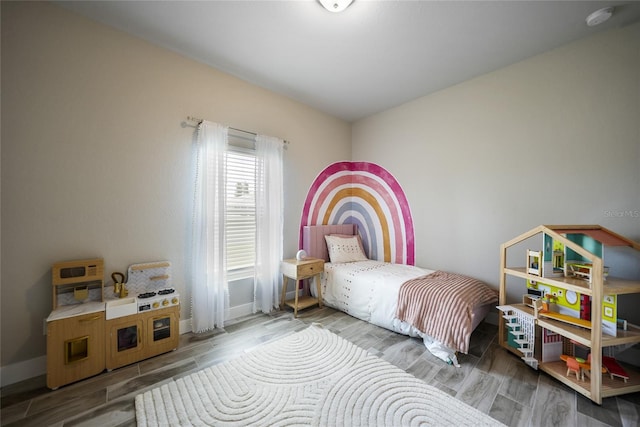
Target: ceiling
369,58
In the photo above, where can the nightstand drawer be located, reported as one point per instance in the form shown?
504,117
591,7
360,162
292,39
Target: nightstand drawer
305,270
302,269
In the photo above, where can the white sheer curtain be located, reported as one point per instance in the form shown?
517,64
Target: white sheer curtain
210,292
269,222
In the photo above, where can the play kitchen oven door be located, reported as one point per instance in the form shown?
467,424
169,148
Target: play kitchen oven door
140,336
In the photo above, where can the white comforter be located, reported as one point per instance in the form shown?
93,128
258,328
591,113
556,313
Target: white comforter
369,291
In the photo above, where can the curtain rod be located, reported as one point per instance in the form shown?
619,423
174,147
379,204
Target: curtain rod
184,124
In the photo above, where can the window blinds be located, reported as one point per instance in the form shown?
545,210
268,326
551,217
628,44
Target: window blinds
241,210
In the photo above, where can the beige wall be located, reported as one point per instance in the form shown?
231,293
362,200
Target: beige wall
95,162
554,139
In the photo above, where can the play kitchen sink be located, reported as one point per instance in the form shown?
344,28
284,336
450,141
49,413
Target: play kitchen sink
121,307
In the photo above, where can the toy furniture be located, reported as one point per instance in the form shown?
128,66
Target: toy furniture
534,262
588,315
573,366
614,369
578,270
584,366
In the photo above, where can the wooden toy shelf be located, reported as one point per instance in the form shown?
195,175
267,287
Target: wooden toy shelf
590,334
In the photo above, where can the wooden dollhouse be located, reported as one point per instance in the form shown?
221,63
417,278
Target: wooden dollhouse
572,304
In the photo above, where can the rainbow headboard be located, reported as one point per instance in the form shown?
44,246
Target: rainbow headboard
367,195
313,241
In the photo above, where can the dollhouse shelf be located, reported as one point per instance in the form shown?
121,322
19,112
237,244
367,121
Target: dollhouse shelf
609,387
612,286
566,319
589,333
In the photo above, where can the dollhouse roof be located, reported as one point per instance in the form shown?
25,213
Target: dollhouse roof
596,232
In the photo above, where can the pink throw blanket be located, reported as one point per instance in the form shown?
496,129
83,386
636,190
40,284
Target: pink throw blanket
441,305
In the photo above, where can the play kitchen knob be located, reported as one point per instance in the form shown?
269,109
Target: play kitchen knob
174,301
156,304
165,302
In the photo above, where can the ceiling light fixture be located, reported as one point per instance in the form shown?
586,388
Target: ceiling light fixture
335,5
599,16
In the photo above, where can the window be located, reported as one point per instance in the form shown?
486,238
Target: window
240,178
241,209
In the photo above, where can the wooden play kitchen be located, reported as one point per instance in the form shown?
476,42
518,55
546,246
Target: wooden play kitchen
91,329
568,317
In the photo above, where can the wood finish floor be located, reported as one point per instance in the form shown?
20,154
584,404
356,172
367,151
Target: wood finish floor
490,379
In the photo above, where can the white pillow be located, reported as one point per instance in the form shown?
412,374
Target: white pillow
344,249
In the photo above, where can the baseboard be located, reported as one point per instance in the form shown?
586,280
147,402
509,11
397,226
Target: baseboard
21,371
186,325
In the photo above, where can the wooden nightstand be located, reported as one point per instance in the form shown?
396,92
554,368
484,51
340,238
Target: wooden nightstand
298,270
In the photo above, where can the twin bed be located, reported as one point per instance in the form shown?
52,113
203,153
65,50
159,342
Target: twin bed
440,307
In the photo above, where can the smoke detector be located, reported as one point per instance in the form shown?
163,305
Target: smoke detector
599,16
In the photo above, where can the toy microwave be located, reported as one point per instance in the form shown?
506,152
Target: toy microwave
69,272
